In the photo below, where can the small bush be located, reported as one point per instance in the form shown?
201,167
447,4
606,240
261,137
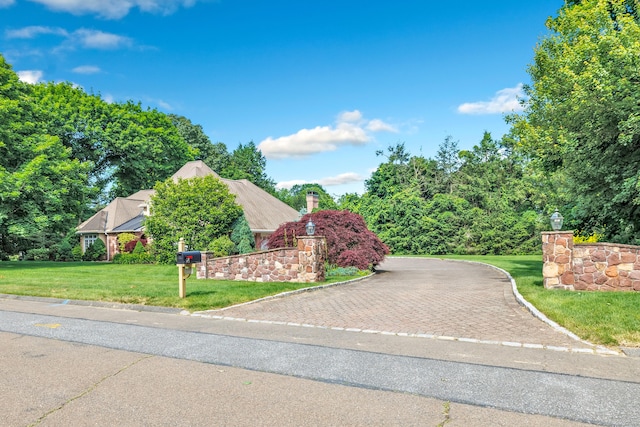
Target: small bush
95,252
139,248
123,239
222,246
332,271
130,246
39,254
76,253
592,238
63,251
133,258
242,236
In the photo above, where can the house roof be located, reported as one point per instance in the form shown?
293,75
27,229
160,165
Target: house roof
143,195
263,212
197,168
131,226
116,213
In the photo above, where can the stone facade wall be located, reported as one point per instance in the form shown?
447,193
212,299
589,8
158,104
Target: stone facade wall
589,266
304,263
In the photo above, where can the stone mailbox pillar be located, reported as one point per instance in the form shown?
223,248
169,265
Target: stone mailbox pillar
557,255
311,255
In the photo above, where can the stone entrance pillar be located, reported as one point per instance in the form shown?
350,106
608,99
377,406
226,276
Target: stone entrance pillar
557,255
311,255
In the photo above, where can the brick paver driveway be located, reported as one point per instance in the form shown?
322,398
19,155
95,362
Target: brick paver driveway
425,297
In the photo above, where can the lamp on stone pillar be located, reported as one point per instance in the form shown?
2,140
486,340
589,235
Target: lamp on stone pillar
311,228
556,221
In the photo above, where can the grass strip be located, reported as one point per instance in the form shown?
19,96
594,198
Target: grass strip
148,284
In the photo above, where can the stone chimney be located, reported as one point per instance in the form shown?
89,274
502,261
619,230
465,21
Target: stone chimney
312,201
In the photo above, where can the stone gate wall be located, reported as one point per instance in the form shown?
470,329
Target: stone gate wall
589,266
304,263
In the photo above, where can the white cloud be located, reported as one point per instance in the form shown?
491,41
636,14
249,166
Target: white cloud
6,3
33,31
108,98
350,116
83,37
96,39
114,9
86,69
30,76
377,125
350,129
344,178
504,101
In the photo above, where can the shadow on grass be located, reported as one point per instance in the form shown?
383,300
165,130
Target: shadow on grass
32,265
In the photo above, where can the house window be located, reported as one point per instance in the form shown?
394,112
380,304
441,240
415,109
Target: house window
89,239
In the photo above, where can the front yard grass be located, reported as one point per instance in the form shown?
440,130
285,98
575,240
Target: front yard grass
144,284
607,318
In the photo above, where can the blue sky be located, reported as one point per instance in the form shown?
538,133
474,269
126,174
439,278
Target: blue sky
318,85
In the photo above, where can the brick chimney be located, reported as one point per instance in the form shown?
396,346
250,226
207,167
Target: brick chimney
312,201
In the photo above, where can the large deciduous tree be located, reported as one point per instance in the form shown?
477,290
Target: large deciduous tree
215,155
247,162
130,148
42,189
582,117
200,210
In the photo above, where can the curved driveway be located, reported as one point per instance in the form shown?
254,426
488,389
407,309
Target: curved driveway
420,297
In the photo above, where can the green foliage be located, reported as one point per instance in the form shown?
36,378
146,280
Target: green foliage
39,254
242,237
214,155
124,238
199,210
76,253
63,251
134,258
582,118
479,201
95,252
222,246
139,248
335,271
129,148
247,162
42,186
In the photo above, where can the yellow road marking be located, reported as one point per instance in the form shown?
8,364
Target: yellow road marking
48,325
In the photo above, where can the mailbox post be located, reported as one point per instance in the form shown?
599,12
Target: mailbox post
182,280
184,260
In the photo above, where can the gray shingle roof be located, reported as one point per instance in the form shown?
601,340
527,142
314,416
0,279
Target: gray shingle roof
263,212
131,226
116,213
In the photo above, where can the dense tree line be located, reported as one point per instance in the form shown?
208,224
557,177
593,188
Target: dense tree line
466,202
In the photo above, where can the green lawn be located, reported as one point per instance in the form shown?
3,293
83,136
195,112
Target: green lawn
608,318
131,284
